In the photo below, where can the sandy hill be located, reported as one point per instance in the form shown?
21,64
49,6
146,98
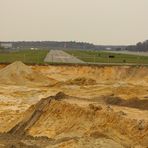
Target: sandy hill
18,73
91,124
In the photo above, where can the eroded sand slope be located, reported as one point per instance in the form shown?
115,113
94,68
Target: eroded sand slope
105,106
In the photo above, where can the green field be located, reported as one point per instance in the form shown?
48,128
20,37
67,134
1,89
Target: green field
89,56
107,57
26,56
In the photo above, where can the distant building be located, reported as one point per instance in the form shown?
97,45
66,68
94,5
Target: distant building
33,48
6,45
108,48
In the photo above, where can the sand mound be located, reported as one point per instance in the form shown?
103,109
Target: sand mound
60,119
18,73
81,81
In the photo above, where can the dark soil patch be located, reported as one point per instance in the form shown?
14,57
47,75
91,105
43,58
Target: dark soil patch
134,102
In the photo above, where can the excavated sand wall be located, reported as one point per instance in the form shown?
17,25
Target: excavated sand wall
57,118
101,73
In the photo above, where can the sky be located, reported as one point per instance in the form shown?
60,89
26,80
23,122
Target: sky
112,22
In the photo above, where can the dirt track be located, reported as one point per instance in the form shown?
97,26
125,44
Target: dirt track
97,107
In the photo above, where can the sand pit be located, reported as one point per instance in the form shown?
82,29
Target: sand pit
84,106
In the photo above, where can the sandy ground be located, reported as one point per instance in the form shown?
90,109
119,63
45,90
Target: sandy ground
72,118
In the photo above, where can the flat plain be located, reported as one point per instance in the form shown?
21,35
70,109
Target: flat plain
95,56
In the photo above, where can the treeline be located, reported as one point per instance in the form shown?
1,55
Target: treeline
141,46
52,44
61,45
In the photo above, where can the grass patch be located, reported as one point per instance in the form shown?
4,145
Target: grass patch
93,56
26,56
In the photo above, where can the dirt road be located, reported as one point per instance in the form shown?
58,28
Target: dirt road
59,56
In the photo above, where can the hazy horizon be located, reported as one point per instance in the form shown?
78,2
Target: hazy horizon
102,22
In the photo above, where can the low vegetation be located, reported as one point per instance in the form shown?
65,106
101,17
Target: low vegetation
89,56
26,56
94,56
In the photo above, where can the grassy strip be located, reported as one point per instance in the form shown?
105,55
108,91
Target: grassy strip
37,57
103,57
26,56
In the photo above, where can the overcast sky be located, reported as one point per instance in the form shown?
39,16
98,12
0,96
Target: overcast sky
95,21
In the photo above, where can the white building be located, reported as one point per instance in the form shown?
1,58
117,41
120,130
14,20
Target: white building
6,45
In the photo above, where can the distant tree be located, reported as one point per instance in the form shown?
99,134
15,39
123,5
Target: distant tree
140,46
54,44
118,49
